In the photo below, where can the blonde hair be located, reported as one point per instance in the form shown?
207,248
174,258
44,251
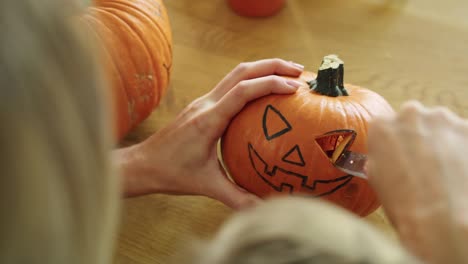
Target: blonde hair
58,197
299,231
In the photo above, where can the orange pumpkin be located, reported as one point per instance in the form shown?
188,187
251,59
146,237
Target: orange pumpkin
276,144
135,36
256,8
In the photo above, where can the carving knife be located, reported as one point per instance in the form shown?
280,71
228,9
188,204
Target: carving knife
352,163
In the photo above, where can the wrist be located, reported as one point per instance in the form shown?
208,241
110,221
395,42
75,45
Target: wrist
138,175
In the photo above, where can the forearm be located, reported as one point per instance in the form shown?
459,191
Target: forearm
137,178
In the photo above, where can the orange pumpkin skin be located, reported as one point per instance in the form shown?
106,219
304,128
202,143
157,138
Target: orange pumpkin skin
135,37
263,166
256,8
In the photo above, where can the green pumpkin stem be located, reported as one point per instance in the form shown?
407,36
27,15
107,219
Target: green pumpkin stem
329,80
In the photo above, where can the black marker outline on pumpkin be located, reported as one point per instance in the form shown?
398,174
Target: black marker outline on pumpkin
298,150
264,123
347,178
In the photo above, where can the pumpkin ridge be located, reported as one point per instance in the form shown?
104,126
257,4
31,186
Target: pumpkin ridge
156,6
127,124
129,64
122,116
156,57
136,39
359,116
154,81
345,119
358,104
364,109
112,57
167,35
166,47
146,5
167,39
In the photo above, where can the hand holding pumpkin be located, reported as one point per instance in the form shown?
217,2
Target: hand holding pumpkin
417,167
182,158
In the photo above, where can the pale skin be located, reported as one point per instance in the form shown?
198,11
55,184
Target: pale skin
182,157
418,167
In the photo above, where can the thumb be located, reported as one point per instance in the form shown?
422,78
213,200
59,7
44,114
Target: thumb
232,195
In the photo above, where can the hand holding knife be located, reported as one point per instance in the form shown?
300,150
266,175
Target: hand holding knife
352,163
337,146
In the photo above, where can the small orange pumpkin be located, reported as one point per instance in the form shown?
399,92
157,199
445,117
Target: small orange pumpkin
275,144
136,38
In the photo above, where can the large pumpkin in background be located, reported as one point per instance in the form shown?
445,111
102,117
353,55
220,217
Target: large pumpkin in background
276,144
135,36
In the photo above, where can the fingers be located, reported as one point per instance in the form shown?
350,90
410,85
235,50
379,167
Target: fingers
416,119
378,131
443,114
380,136
413,110
410,112
389,139
411,141
251,70
249,90
232,195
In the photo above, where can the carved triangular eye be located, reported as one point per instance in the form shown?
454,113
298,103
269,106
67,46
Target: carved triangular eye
294,156
274,123
333,143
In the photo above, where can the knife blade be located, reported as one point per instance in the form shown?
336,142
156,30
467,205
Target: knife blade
352,163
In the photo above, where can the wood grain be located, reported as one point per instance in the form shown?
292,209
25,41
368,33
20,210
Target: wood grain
404,50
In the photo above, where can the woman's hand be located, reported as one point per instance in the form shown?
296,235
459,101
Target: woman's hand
418,165
182,157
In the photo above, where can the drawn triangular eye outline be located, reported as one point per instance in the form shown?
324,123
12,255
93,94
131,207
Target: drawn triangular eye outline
270,109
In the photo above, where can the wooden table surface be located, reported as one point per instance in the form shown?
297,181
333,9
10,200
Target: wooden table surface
415,49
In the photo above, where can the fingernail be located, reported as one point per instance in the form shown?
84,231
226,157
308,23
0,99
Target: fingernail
297,65
293,84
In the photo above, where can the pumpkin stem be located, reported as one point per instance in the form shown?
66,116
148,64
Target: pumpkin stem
329,80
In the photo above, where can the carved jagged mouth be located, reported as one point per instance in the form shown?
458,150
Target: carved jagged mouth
282,180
